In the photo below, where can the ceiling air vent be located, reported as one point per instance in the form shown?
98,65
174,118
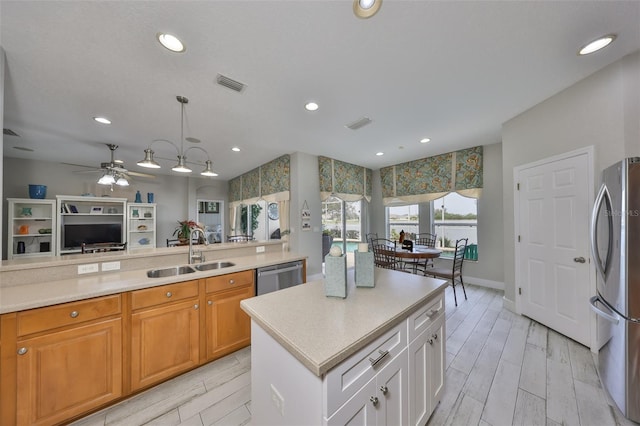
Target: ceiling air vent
9,132
230,83
359,123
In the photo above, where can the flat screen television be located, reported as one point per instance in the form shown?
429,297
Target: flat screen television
75,235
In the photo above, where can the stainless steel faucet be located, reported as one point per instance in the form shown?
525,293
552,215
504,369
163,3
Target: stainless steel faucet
198,255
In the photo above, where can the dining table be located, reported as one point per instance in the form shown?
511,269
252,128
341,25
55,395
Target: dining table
417,255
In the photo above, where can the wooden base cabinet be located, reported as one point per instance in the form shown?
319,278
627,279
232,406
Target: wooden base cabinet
165,332
227,326
70,369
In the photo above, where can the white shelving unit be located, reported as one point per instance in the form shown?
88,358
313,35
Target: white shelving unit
32,226
75,211
141,225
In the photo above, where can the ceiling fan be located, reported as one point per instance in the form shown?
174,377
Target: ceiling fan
113,172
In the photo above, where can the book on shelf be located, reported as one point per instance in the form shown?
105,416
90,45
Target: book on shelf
73,208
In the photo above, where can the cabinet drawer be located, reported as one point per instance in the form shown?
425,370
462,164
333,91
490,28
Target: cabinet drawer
51,317
343,381
229,281
421,319
163,294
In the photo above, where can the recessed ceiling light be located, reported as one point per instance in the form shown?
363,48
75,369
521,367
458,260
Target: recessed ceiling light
366,8
597,44
235,149
379,153
311,106
171,42
102,120
425,140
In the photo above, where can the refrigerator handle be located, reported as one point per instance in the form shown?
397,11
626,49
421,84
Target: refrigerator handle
602,193
610,316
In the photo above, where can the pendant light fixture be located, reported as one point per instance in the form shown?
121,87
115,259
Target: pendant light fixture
181,166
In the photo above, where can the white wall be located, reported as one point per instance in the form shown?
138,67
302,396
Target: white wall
2,196
602,110
172,194
305,186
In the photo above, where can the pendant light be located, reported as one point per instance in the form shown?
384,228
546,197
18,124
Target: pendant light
181,166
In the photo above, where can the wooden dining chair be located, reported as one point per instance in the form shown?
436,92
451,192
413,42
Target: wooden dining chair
428,240
384,253
454,273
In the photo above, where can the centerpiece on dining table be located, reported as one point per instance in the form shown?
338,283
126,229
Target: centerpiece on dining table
184,228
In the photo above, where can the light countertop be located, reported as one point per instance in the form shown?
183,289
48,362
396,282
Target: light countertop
46,293
322,331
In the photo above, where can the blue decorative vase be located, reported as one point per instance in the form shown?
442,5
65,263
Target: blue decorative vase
138,197
37,191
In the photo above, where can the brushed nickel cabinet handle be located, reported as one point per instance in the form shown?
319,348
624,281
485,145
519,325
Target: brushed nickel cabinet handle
384,390
22,351
209,303
169,294
374,400
74,314
382,353
195,306
232,282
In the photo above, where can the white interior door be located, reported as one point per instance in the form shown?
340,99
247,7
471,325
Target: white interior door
553,265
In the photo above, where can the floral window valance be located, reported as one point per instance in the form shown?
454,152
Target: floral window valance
346,181
270,182
433,177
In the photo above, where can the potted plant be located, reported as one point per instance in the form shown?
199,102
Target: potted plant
183,230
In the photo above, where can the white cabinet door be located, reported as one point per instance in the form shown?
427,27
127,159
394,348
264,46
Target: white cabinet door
419,384
393,392
382,401
359,410
437,359
426,372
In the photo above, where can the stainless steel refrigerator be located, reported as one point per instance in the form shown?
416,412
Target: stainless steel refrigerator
615,248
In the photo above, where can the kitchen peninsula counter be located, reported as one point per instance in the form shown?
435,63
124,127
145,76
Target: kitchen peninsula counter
43,290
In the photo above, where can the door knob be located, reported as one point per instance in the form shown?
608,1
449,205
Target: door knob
579,259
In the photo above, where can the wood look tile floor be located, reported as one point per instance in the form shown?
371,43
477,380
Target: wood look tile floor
502,369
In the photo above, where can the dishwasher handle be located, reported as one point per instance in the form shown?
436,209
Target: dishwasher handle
275,271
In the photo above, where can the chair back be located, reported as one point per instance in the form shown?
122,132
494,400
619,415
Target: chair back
384,253
458,258
426,239
370,237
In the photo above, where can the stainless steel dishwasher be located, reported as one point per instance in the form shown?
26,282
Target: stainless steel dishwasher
277,277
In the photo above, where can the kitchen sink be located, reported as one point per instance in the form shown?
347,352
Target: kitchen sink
213,265
170,272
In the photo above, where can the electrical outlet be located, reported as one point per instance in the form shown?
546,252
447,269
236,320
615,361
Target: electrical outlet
88,268
110,266
277,400
260,249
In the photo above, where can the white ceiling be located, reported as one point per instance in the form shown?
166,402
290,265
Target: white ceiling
452,71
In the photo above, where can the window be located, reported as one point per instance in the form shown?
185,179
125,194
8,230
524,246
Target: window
455,217
402,218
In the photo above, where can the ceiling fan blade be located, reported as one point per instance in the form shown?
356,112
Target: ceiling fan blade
89,171
146,175
79,165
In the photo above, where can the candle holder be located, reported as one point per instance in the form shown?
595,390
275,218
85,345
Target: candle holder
335,281
364,272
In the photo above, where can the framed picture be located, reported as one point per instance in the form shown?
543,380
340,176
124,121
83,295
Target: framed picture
212,207
306,225
96,209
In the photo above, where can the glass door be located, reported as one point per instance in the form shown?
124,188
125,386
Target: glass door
341,225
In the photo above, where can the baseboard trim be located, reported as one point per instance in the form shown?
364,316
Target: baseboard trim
496,285
509,304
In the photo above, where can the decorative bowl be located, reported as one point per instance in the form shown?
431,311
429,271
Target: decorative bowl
37,191
144,241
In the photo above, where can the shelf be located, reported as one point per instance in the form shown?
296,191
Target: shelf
31,235
31,218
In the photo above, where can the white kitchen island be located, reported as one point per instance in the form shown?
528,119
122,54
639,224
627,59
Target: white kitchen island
376,357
